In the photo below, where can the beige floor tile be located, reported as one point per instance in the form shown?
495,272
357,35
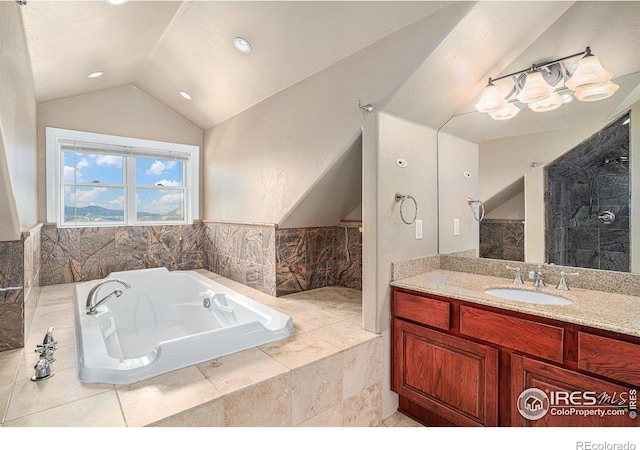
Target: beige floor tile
101,410
148,401
313,319
239,370
5,395
264,405
292,307
9,362
64,387
364,409
362,366
211,414
299,349
330,418
315,388
397,419
41,323
343,334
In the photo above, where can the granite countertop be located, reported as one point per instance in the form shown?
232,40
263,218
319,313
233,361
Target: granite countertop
597,309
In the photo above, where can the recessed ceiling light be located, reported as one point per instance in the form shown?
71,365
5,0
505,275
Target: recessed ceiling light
186,95
242,45
95,74
116,2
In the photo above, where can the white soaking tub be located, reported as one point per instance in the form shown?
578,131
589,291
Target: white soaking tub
163,322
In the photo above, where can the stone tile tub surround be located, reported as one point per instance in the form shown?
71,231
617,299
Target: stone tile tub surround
309,258
81,254
19,287
598,280
327,373
260,256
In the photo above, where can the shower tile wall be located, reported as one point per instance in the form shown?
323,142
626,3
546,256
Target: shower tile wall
82,254
19,287
502,239
583,177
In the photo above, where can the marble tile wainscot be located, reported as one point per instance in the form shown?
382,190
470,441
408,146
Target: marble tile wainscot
19,287
81,254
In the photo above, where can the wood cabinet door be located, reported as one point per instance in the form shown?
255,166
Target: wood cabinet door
455,378
572,399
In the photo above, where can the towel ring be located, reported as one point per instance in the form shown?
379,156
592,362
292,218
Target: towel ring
401,198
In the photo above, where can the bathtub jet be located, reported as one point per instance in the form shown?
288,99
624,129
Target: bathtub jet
166,321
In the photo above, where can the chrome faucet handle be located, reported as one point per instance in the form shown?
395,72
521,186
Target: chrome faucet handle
562,284
48,338
518,278
537,277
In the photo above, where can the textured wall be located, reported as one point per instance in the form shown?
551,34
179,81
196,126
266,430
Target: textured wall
18,162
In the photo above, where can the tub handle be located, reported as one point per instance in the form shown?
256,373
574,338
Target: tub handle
111,329
222,307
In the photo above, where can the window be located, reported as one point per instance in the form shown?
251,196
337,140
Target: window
95,180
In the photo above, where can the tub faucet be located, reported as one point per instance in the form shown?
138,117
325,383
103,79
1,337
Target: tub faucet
92,304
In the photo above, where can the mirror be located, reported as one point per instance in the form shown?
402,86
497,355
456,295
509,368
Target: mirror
523,168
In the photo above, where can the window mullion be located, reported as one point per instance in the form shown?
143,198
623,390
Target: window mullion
130,191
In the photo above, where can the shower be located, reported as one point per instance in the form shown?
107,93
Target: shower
620,160
588,202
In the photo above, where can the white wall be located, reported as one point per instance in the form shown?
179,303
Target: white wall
124,111
456,158
261,163
386,238
18,176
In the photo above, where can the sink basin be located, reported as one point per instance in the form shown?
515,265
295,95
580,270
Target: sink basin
520,295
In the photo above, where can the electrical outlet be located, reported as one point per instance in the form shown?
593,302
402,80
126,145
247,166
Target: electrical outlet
418,229
456,227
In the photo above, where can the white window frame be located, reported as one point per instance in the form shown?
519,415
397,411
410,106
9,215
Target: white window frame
188,154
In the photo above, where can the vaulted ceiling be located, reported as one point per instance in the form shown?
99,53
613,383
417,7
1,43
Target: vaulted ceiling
163,47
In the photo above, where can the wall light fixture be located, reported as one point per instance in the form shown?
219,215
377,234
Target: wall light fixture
546,86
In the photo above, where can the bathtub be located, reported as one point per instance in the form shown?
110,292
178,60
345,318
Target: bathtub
166,321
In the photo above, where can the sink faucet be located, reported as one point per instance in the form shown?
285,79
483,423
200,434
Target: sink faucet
92,305
562,284
537,277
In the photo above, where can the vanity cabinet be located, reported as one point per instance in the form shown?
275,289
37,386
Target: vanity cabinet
465,364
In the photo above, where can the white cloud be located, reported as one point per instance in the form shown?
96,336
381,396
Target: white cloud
168,202
83,197
70,174
109,160
117,202
84,162
168,183
158,167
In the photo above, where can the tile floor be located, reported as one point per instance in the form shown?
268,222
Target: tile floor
327,373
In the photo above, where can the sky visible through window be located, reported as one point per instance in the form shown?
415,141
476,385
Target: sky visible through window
99,181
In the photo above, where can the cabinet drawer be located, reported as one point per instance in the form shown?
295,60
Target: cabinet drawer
609,357
534,338
417,308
